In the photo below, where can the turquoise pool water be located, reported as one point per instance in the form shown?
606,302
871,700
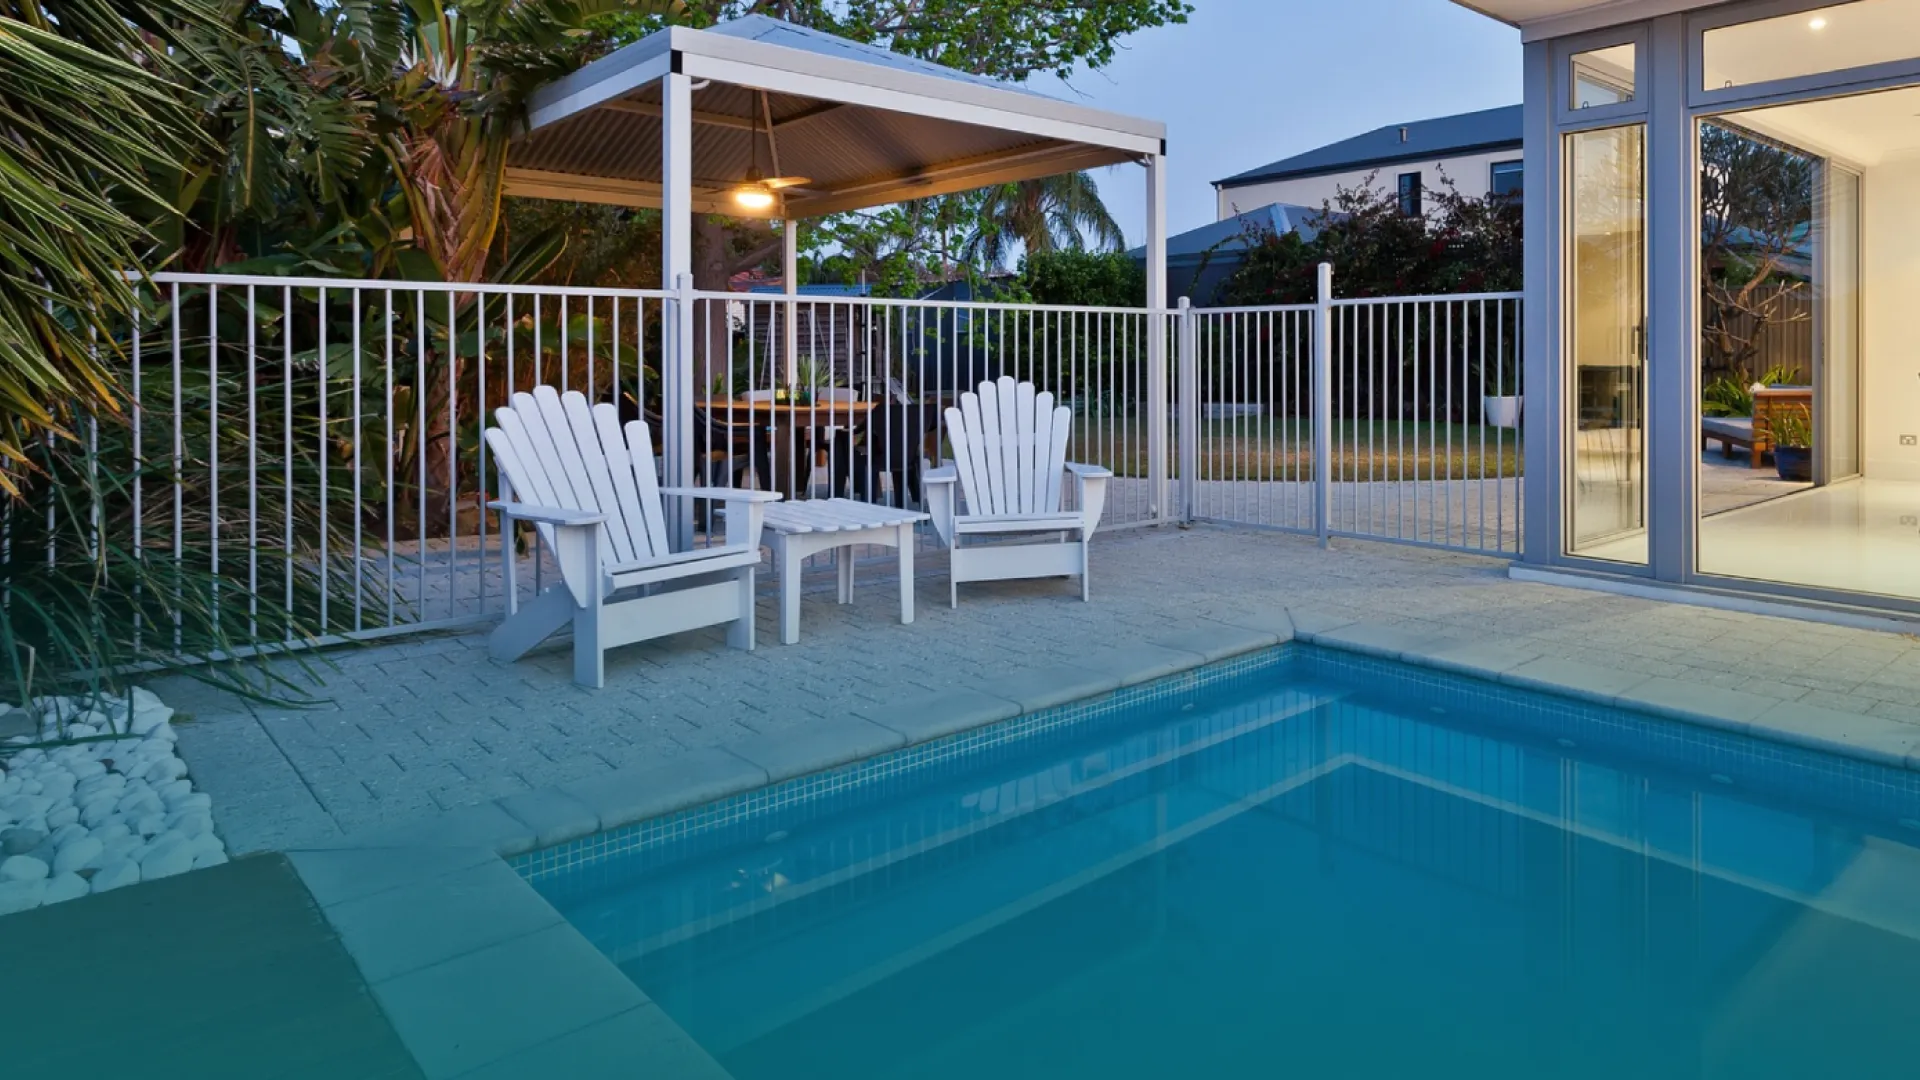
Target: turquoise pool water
1305,866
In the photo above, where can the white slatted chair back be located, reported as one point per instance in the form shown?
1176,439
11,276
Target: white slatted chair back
558,452
1010,449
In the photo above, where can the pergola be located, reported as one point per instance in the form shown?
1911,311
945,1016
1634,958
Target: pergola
677,120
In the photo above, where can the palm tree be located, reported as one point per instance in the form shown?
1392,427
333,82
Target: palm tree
1047,214
89,99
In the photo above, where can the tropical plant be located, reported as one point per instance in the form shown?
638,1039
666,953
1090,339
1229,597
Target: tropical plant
1791,429
1732,394
1053,213
89,95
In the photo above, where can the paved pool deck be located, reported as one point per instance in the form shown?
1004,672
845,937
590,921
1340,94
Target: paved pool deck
418,728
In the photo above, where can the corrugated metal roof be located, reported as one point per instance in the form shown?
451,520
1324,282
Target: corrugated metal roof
777,32
1442,136
1231,234
862,142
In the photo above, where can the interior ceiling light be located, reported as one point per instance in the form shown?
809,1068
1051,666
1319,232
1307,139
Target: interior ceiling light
1817,23
757,190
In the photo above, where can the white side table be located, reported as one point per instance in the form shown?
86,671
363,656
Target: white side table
806,527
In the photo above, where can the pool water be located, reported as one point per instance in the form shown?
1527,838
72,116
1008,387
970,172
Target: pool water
1304,873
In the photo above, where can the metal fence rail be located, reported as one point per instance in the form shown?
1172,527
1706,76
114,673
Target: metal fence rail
1383,419
831,396
317,443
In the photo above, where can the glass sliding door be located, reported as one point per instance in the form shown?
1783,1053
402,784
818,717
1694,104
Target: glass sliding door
1837,282
1606,306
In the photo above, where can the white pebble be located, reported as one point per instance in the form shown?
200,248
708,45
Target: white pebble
206,842
166,860
64,887
193,823
21,895
115,875
62,816
81,731
67,834
98,812
22,868
111,831
150,824
209,858
77,855
85,770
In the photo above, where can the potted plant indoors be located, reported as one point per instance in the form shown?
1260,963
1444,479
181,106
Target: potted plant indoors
1791,433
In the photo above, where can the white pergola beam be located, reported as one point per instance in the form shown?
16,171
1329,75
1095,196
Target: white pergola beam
706,196
676,272
999,170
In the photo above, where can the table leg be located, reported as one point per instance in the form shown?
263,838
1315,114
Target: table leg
844,557
904,536
790,557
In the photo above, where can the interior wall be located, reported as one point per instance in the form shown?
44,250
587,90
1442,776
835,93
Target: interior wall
1890,323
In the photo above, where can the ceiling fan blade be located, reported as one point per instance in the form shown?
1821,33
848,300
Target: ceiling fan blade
778,182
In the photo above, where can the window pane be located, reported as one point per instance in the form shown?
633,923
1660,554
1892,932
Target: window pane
1506,178
1607,298
1810,42
1603,77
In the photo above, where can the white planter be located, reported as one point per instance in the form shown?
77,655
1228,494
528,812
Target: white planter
1501,412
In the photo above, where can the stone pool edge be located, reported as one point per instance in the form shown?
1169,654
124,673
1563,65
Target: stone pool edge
528,821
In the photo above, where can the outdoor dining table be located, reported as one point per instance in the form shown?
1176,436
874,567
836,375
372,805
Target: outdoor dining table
785,429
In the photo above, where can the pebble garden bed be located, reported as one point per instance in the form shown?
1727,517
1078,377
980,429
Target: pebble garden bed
94,797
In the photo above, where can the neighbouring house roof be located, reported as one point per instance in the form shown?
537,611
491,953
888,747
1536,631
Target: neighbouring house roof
1232,235
1423,140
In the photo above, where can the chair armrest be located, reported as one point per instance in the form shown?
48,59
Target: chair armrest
547,515
1090,486
724,493
942,500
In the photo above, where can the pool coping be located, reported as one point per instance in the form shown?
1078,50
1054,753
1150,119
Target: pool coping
515,824
434,877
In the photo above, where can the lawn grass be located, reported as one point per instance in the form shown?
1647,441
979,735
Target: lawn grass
1269,448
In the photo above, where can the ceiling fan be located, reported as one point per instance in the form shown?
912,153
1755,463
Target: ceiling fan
757,191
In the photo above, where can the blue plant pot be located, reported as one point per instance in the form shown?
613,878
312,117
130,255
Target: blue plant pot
1793,463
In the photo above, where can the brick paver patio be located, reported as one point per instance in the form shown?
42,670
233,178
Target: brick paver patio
429,724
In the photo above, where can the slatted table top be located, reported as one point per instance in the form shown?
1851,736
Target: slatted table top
835,515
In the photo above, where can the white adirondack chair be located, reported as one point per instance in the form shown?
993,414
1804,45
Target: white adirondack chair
1010,463
591,492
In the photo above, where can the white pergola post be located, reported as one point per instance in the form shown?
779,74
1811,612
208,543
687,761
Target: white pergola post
1156,301
790,285
676,273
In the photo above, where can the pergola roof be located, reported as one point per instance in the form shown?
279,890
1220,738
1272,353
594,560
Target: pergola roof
866,125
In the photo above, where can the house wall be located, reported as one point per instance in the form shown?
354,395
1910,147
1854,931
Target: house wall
1890,336
1471,175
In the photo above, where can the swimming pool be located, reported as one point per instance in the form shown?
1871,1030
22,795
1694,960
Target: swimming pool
1296,863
